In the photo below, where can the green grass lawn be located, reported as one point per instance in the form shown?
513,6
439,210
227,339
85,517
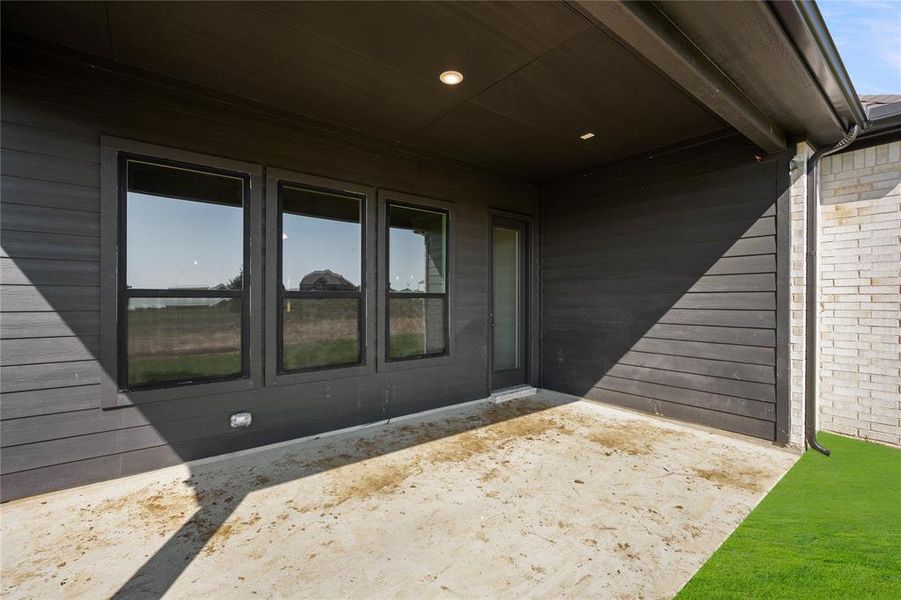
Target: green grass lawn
830,529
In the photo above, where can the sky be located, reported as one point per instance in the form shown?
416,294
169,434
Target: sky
166,248
867,34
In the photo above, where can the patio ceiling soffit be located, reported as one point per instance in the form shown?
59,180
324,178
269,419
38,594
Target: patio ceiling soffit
649,33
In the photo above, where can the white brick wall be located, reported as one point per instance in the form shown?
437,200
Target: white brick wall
859,296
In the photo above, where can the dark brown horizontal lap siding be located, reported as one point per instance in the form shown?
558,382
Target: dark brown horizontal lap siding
660,286
34,271
25,244
49,324
35,192
48,350
53,431
49,401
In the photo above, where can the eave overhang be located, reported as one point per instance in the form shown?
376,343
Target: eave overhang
808,32
769,69
648,32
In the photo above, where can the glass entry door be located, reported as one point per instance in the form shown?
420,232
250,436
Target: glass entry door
508,309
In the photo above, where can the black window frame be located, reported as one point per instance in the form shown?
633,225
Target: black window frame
388,294
125,293
282,293
367,321
112,268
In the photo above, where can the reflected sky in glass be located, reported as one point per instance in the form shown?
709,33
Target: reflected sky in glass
408,250
408,260
175,243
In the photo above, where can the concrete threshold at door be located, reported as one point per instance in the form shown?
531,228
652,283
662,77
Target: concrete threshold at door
519,391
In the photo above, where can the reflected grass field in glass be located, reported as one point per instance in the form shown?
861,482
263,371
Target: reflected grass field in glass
146,370
310,355
183,339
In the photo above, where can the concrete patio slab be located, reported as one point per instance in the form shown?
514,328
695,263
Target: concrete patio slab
548,496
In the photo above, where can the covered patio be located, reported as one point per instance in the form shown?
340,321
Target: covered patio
544,496
232,227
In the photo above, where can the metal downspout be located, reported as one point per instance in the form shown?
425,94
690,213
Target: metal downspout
810,346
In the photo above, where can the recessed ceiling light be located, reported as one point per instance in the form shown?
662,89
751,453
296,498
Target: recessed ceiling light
587,136
451,77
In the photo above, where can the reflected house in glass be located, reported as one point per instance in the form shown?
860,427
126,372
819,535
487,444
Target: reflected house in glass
325,281
417,282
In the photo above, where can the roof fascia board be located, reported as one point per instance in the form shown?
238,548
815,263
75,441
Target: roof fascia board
642,27
805,27
824,103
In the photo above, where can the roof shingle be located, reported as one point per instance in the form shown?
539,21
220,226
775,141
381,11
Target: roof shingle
871,100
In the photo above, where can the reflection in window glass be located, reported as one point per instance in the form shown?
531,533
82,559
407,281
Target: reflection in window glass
185,228
184,231
183,339
321,241
322,278
506,298
320,332
417,247
416,327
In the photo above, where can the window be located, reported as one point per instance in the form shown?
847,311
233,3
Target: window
183,258
321,287
416,282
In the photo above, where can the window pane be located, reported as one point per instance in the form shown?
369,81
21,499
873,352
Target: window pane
185,228
417,247
506,298
416,327
320,332
321,241
182,339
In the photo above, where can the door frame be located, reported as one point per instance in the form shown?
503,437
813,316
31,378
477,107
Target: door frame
529,312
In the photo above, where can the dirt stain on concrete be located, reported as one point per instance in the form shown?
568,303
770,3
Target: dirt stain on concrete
626,550
222,535
738,476
362,481
152,505
489,475
384,472
632,437
170,507
228,530
380,470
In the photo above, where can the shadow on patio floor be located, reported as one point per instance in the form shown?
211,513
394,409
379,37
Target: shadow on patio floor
534,497
220,486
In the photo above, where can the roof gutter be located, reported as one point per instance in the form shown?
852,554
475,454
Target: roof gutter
805,27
